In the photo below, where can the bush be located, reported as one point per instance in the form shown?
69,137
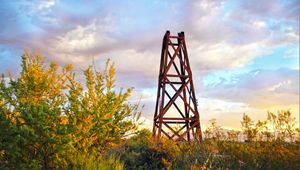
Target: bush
139,152
49,120
91,163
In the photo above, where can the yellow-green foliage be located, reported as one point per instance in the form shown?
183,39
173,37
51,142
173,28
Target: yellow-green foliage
49,120
139,152
91,163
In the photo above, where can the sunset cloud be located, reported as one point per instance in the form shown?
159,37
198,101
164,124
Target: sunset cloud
259,88
244,55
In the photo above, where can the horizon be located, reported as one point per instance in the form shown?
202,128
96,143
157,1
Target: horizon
244,56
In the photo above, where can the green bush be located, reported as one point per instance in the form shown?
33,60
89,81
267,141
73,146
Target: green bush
139,152
90,163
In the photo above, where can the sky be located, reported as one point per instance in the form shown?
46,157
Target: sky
244,55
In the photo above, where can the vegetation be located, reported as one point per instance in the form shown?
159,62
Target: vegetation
140,153
50,120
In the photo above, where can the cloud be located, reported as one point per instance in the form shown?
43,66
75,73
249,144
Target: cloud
89,40
7,60
75,32
225,56
221,35
286,10
259,88
293,53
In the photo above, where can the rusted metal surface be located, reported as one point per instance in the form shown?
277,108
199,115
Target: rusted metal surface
176,115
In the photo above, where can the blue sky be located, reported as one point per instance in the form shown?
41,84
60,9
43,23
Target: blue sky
244,54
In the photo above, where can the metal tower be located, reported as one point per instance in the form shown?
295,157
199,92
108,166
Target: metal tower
176,114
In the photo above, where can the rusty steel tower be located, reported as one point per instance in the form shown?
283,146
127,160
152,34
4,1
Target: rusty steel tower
176,115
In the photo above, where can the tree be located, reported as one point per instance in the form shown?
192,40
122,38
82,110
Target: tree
283,125
100,117
49,120
248,127
31,108
214,130
232,135
261,130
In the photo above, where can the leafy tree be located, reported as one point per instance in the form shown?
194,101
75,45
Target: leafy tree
232,135
214,131
260,126
297,134
283,125
249,128
31,115
99,117
49,120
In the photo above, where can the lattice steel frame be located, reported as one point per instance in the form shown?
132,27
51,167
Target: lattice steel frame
187,123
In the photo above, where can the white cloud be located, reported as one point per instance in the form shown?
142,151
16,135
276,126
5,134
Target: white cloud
43,5
225,56
83,39
260,89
